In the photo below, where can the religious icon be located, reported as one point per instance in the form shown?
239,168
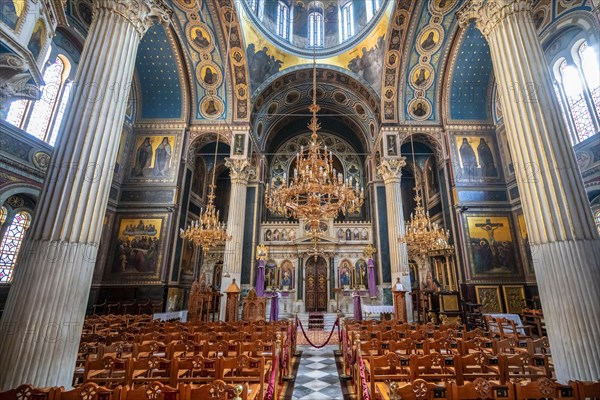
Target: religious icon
211,106
361,272
491,244
392,148
35,42
162,158
138,245
143,158
270,274
238,145
444,5
345,274
429,40
287,275
486,159
420,109
10,12
209,75
200,38
421,77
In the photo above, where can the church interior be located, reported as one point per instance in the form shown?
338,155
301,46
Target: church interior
299,199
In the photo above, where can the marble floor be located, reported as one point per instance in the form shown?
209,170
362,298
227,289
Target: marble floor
317,376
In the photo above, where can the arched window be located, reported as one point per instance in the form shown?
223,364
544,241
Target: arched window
597,219
11,243
282,19
315,29
3,213
372,7
42,118
590,68
577,106
347,21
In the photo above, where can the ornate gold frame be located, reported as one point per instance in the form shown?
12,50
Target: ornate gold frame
509,302
485,300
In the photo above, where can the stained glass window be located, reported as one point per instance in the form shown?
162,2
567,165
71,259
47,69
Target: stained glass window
16,112
597,219
562,109
315,29
60,113
578,108
3,213
42,118
44,107
282,19
591,72
11,243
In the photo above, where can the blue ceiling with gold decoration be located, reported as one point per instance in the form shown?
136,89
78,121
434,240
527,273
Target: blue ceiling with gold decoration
158,75
470,85
435,28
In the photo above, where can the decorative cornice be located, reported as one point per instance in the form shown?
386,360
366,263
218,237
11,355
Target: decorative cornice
240,170
489,13
142,14
391,169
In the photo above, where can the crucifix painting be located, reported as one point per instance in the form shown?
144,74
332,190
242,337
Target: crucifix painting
491,244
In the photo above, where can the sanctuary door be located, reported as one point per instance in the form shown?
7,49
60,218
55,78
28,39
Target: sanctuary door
316,284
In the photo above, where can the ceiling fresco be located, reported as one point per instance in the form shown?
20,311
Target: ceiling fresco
266,59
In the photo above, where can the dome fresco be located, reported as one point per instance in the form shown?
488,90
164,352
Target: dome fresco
361,54
323,28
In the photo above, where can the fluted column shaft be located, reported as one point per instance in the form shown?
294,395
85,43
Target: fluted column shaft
240,171
391,171
43,319
563,237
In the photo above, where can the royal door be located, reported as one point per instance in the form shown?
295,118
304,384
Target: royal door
316,284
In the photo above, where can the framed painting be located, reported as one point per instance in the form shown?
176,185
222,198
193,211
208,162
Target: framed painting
154,157
513,298
492,250
287,275
345,274
489,298
477,158
139,247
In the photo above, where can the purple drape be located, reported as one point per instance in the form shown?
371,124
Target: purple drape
371,278
357,307
260,279
275,307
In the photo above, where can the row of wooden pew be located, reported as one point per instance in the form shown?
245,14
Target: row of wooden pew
485,389
215,390
111,372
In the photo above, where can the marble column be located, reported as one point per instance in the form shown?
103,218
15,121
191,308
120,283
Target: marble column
240,171
43,319
390,170
564,240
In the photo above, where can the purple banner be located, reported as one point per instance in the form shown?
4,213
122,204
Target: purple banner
260,279
275,307
357,307
371,278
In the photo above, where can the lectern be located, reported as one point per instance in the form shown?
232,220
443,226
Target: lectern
399,301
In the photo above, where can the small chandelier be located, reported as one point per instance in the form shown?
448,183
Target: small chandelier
316,191
207,232
422,236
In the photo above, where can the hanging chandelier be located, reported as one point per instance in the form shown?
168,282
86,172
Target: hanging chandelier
421,235
316,191
208,232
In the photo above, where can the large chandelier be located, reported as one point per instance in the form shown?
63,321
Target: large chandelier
316,190
422,236
207,232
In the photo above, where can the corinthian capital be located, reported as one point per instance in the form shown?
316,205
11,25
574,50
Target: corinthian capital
489,13
391,169
240,170
142,14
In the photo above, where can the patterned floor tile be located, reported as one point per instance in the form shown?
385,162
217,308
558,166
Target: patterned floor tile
317,376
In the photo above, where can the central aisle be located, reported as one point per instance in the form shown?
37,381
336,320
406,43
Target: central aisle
317,376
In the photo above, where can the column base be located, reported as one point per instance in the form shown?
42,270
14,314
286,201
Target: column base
42,323
568,277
